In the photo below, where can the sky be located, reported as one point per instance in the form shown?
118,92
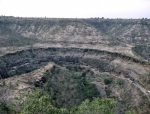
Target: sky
76,8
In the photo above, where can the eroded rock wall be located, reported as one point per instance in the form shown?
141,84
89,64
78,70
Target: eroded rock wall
28,60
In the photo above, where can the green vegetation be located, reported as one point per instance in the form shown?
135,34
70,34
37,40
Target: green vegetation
97,106
108,91
2,83
145,80
73,89
130,112
108,80
143,51
120,82
38,103
68,88
4,109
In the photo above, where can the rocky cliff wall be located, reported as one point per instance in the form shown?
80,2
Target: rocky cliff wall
29,60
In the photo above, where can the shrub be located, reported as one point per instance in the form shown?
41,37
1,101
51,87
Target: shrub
120,82
74,86
39,103
97,106
108,81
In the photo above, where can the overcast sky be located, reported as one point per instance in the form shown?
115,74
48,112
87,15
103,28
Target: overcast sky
76,8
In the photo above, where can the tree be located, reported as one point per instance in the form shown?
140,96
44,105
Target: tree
39,103
97,106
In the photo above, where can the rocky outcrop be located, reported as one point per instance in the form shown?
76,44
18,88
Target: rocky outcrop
3,70
28,60
123,71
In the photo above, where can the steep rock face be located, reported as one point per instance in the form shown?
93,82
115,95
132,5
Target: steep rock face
118,66
99,44
3,73
28,60
3,70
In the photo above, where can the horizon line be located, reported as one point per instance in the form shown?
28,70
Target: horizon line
45,17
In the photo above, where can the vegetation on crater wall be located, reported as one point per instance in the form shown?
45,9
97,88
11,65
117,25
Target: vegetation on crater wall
39,103
143,51
68,88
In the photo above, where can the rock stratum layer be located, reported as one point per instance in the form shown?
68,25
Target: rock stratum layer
115,53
